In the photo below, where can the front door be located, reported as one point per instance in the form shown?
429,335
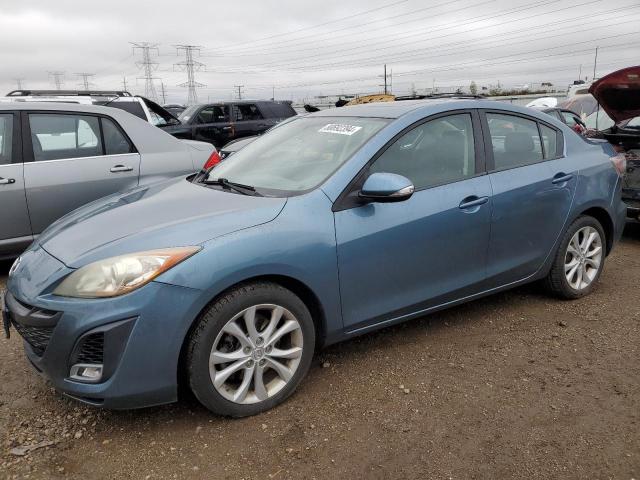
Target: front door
397,259
76,158
533,188
15,229
213,125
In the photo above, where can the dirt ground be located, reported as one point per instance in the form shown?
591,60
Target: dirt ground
518,385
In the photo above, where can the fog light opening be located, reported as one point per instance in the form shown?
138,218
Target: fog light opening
85,372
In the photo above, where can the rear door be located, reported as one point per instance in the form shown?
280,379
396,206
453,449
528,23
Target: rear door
15,229
74,158
533,187
249,120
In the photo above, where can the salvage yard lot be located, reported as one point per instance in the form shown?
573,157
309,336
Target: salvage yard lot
517,385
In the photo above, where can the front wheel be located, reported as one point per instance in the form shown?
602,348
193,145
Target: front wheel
579,260
250,350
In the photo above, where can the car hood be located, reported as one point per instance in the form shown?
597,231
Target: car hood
619,93
172,213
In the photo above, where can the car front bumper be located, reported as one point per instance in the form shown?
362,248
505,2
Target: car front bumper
142,335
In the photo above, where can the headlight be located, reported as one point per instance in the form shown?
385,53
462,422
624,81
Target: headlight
119,275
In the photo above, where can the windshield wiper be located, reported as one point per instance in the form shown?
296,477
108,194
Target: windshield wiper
238,187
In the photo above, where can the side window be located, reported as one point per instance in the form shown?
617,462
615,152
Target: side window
515,141
569,118
550,141
246,111
115,143
56,136
436,152
212,114
6,138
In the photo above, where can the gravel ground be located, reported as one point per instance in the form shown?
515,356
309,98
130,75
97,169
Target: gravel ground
517,385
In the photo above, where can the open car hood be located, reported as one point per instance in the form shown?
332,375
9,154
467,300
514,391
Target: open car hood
619,93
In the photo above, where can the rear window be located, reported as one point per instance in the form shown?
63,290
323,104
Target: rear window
132,107
280,110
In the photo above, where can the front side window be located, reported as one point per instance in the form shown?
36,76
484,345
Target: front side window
6,138
436,152
515,141
56,136
212,114
298,155
115,143
569,118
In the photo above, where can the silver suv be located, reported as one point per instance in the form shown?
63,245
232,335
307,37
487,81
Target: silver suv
55,157
136,105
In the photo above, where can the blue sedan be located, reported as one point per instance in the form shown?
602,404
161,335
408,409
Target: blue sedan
333,225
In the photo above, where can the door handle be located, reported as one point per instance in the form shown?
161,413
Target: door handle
226,128
472,201
561,178
120,168
7,181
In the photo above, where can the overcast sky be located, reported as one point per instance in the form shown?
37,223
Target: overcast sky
302,48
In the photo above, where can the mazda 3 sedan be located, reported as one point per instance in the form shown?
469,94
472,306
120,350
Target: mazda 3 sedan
333,225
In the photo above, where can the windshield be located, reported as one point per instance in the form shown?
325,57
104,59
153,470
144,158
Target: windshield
298,155
188,113
599,120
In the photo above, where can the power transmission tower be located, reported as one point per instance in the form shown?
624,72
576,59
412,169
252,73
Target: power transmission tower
190,66
148,66
58,79
239,87
86,83
19,82
124,83
164,97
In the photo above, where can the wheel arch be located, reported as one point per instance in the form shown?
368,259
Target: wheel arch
296,286
602,215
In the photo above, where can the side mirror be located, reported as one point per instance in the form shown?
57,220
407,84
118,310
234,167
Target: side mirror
386,187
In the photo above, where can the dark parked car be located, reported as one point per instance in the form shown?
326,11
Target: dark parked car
219,123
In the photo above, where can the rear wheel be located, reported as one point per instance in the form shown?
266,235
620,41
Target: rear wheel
579,260
250,350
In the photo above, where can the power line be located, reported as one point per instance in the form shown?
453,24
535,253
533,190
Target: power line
447,27
359,14
58,78
86,83
318,42
148,66
190,66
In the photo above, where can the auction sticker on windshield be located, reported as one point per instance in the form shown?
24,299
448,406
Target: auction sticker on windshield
340,129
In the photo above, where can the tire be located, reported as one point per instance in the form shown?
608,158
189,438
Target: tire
565,261
222,337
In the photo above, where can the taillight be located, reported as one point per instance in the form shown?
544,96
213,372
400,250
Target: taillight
213,160
620,163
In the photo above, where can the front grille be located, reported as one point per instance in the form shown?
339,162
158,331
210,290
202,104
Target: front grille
37,337
91,349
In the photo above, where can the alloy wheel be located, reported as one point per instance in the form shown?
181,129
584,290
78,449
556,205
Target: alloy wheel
583,258
256,354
